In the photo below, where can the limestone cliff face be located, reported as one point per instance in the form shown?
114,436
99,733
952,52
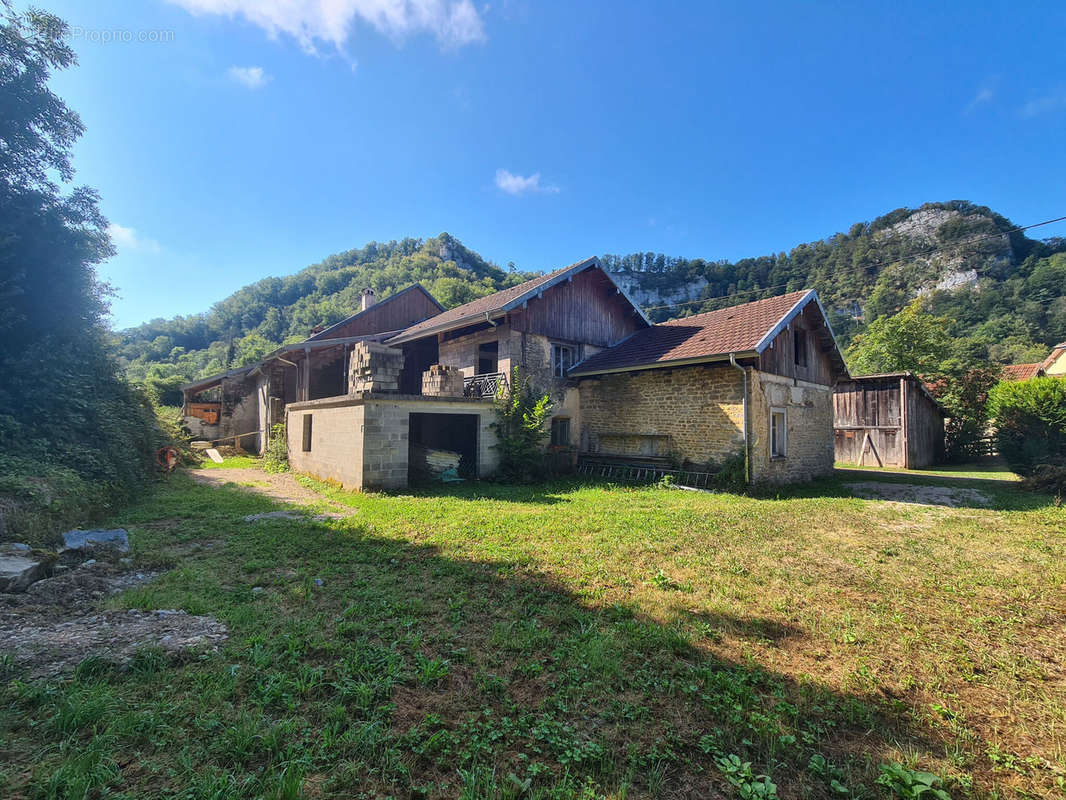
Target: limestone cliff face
645,296
940,246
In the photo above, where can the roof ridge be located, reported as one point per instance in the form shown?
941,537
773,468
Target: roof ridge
691,317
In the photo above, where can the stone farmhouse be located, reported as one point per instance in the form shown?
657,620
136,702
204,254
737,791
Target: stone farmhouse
365,400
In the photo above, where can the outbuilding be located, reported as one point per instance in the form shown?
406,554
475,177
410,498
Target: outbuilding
887,420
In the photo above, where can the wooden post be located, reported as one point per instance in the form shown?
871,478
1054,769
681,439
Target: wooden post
903,422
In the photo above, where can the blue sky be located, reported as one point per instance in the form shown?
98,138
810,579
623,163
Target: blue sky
260,136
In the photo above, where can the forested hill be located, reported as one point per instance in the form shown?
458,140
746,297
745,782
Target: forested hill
1005,292
1001,288
253,321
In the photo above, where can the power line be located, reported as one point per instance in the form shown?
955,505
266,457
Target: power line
931,249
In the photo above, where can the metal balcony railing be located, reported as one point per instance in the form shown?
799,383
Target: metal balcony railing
484,386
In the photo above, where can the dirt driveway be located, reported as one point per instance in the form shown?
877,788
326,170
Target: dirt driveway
282,486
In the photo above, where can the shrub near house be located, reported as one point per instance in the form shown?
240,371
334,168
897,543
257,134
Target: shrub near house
1030,422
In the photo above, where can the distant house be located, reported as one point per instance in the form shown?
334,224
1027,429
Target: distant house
1054,365
753,381
888,420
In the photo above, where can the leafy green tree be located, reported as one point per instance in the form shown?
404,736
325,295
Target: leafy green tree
520,430
63,403
911,340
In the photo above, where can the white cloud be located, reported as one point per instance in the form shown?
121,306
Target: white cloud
250,77
128,239
518,184
983,96
1055,101
453,23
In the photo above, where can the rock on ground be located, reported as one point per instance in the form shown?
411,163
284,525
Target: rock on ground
57,622
116,539
50,646
20,567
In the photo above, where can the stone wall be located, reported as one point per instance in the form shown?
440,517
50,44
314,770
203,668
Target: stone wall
362,441
694,414
809,423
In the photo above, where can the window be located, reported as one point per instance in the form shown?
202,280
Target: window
488,356
307,433
778,433
562,359
560,431
799,347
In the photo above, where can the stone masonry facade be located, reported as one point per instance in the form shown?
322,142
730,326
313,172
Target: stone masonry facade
693,414
809,422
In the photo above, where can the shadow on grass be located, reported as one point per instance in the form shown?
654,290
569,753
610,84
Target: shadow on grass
370,661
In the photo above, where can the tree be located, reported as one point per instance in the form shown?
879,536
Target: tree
911,341
520,431
63,403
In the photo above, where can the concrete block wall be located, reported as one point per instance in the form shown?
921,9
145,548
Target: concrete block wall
362,441
374,367
462,352
440,380
336,441
809,422
699,408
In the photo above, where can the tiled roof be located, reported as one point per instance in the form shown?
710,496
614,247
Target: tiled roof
491,304
1056,352
1022,372
737,329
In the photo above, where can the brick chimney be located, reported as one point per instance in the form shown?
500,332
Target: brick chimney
368,298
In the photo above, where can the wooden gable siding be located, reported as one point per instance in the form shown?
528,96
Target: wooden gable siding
924,427
587,309
780,357
391,314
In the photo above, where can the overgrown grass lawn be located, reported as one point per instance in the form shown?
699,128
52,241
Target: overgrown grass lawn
575,640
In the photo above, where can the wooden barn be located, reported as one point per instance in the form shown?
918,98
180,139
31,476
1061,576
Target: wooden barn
888,420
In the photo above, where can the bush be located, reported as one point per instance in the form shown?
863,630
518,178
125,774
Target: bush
1049,480
276,456
520,433
1030,423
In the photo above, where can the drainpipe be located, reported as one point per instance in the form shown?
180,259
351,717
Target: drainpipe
489,320
747,444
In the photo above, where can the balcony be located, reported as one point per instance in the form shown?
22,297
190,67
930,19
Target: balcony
485,386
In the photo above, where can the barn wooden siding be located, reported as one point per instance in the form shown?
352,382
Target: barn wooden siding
394,313
587,309
887,420
780,357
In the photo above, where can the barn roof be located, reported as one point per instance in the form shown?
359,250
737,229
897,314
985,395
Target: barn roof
501,302
743,330
1022,372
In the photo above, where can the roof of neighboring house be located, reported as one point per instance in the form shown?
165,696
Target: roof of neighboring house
501,302
207,383
414,287
906,374
1022,372
743,330
1057,352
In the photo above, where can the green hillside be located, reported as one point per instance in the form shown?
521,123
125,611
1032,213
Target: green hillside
1004,292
